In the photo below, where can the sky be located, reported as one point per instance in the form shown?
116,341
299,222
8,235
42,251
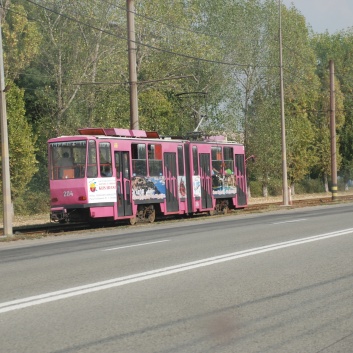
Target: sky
322,15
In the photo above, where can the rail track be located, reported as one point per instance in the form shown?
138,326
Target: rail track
305,202
42,230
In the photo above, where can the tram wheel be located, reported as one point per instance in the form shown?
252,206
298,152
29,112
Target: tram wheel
152,216
133,220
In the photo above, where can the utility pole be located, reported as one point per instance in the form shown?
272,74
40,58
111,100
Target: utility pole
134,120
333,131
5,160
283,124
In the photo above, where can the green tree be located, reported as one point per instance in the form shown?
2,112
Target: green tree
23,163
301,95
80,41
83,49
180,42
21,41
256,43
337,48
263,130
156,112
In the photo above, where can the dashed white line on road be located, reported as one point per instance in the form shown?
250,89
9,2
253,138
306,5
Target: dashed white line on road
132,246
292,221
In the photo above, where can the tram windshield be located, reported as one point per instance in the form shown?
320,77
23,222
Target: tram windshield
67,160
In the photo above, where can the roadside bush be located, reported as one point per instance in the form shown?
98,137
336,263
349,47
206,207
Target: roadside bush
341,185
309,186
275,187
255,188
32,203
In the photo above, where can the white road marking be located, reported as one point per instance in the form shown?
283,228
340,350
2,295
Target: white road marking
138,277
292,221
131,246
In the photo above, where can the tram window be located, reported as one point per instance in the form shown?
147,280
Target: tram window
155,159
139,165
117,164
216,153
180,160
79,157
239,160
228,153
217,163
138,151
67,159
195,160
92,170
228,160
105,159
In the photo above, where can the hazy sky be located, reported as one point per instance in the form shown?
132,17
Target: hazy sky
322,15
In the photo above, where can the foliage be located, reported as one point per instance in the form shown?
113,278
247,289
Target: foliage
77,48
256,188
325,47
274,188
156,113
32,202
263,129
263,123
23,163
191,86
310,186
21,40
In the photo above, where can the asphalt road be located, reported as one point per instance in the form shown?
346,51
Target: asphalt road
273,282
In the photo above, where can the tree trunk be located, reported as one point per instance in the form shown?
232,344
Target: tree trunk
264,190
326,183
248,191
292,189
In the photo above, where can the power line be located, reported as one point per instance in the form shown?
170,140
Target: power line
167,24
148,45
160,49
163,50
171,26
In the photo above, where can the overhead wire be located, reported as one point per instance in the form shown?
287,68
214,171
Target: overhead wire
150,46
169,25
161,49
147,45
287,69
143,44
166,24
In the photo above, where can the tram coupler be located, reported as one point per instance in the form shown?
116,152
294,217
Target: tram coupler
59,214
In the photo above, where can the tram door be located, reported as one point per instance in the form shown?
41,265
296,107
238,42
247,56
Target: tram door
123,183
205,180
171,181
241,181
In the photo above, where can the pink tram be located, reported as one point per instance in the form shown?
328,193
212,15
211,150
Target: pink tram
120,174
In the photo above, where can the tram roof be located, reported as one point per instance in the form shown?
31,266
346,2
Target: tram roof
141,134
117,132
